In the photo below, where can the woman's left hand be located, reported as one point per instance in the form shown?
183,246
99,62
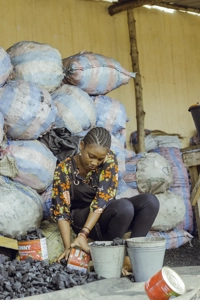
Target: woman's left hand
81,242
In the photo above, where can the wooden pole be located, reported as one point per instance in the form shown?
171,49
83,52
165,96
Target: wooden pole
138,84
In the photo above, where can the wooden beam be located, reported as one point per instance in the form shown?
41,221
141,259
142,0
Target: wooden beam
124,5
178,7
137,80
129,4
195,193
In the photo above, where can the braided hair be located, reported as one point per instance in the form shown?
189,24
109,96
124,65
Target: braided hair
99,136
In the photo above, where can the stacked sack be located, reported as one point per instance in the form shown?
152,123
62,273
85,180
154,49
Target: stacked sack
46,105
175,218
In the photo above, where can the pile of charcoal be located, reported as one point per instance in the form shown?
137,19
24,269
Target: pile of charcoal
33,233
20,279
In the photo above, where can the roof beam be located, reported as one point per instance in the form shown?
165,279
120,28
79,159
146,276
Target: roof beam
178,7
129,4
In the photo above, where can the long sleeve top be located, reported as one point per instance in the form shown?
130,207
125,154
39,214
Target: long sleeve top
107,174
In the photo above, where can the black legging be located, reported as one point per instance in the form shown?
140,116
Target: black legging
135,214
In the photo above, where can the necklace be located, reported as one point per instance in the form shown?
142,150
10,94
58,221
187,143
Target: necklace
81,168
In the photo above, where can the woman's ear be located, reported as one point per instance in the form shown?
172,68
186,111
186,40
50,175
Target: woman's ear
82,145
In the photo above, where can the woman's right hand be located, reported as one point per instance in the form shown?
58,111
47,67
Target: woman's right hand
63,255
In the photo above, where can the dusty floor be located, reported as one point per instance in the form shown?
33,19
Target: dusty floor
186,255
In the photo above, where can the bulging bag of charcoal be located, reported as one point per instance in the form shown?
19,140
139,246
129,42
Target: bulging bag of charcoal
95,73
154,174
171,212
20,208
5,66
37,63
34,161
76,109
33,245
28,110
110,113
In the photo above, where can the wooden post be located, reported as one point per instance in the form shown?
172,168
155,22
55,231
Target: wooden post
138,84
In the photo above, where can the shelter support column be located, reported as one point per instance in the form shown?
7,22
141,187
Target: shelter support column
137,81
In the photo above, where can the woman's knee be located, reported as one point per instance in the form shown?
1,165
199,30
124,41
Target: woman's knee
124,207
146,200
153,202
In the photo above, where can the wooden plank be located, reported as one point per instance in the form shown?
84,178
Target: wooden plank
179,7
197,216
195,193
193,175
190,148
191,158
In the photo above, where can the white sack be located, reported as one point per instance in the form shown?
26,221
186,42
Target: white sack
76,109
37,63
28,110
5,66
35,163
154,174
94,73
171,212
20,208
111,114
119,150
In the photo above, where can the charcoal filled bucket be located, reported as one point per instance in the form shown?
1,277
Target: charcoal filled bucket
146,256
107,259
195,111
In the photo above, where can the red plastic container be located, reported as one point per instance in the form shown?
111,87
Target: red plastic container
164,284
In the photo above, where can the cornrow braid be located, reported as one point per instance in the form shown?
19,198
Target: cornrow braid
99,136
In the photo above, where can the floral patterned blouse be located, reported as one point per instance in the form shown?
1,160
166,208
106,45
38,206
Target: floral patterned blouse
106,191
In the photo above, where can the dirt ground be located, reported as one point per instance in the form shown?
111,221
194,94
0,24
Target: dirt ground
186,255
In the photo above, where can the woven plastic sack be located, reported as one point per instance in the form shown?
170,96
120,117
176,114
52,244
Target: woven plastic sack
120,153
35,163
37,63
131,168
47,201
1,127
20,208
111,114
94,73
28,110
53,237
76,109
125,191
154,174
5,66
174,238
171,211
180,185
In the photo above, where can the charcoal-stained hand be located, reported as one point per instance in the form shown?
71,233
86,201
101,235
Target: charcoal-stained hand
63,255
81,242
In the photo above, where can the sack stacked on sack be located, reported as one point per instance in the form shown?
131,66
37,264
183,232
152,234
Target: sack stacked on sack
5,66
36,105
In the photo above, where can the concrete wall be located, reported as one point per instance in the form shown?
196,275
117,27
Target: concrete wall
168,46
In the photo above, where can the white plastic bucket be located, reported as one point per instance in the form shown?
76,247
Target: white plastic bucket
107,259
146,256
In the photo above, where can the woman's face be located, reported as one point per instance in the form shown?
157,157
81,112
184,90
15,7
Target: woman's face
92,155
